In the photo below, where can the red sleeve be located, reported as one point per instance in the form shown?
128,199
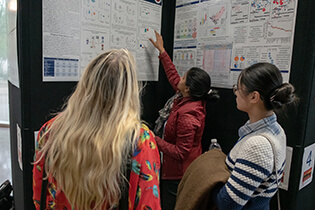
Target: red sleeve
170,70
187,124
144,191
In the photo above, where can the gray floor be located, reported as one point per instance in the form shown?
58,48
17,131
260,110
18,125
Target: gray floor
5,155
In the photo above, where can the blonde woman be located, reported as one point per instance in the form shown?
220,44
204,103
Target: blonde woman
85,149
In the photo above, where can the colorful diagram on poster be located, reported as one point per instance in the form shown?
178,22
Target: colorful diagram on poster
186,29
283,8
260,10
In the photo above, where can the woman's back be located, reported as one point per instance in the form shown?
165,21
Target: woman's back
89,143
144,176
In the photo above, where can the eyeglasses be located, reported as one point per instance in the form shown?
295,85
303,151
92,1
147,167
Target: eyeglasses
235,88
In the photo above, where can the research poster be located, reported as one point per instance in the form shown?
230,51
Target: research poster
224,36
76,31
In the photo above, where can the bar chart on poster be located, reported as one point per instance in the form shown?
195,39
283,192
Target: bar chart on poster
224,36
76,31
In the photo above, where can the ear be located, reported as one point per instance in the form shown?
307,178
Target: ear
255,97
186,89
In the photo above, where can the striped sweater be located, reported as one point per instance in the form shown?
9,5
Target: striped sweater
251,162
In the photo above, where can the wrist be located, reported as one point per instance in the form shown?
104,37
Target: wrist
162,50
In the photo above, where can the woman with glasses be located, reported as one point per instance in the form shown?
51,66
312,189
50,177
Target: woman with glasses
257,160
183,129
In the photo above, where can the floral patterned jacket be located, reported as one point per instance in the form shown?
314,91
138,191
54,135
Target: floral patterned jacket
144,191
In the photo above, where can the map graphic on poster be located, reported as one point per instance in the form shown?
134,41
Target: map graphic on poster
76,31
212,21
234,34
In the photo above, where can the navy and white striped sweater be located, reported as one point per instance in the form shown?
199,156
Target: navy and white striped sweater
253,182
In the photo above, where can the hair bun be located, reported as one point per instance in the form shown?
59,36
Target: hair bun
284,94
212,96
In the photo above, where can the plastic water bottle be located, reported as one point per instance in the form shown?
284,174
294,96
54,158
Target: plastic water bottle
214,144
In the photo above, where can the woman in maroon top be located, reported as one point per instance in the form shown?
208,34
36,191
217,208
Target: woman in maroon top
183,129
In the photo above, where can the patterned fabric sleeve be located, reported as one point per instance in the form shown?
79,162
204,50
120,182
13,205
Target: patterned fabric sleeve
144,190
38,166
253,164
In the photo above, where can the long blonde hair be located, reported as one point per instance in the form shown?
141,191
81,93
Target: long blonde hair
89,141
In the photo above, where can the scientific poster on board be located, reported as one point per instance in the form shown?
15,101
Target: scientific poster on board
224,36
76,31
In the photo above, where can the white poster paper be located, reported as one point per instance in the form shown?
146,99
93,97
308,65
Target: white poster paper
284,184
251,31
307,166
61,40
76,31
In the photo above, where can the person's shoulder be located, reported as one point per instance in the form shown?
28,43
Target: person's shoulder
145,131
258,140
193,108
146,137
43,134
256,144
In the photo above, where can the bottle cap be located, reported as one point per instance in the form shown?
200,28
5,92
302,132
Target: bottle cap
214,140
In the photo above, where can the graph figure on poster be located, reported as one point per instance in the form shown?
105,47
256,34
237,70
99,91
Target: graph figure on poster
239,62
283,7
279,29
184,60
